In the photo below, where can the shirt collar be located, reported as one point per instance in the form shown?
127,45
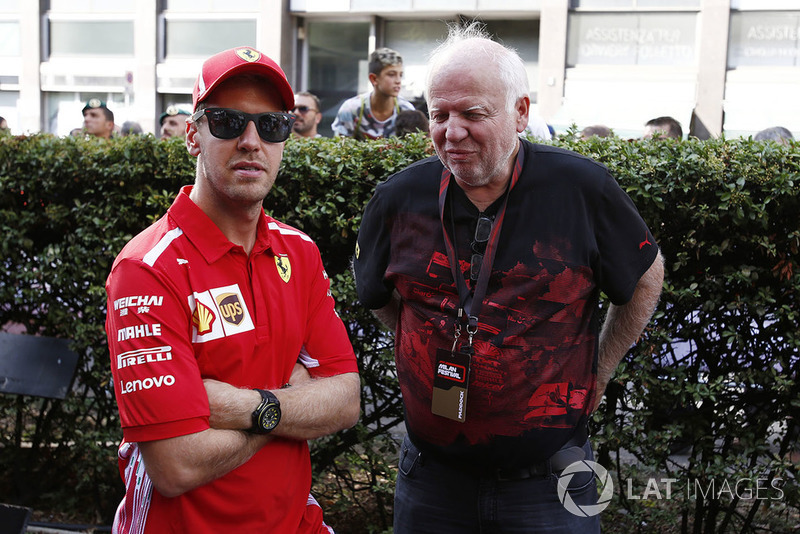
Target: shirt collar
204,234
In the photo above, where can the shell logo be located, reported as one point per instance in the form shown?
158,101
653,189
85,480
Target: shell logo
203,318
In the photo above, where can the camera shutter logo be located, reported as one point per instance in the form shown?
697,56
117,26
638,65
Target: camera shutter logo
585,466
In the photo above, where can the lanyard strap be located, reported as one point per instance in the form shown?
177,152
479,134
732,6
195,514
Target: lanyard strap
470,303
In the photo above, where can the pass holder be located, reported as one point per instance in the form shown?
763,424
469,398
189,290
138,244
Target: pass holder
451,374
451,379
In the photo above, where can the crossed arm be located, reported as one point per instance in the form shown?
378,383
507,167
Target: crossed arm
311,408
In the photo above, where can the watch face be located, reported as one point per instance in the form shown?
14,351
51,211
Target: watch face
269,418
268,414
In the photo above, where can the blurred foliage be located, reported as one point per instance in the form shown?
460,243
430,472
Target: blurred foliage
715,374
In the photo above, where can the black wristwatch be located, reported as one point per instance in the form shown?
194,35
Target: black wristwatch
268,414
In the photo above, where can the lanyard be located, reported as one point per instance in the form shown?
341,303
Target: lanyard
470,303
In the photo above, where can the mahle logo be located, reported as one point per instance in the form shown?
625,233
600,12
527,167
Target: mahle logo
585,466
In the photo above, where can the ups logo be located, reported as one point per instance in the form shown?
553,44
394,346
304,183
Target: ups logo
230,308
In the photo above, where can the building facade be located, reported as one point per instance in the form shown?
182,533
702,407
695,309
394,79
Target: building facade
718,66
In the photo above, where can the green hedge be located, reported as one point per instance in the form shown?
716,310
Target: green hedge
717,371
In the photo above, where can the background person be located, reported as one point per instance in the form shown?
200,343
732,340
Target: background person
98,120
4,125
597,130
209,310
537,128
666,127
372,115
307,113
411,121
775,133
130,128
488,261
173,122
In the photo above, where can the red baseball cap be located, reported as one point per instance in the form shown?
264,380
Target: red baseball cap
236,61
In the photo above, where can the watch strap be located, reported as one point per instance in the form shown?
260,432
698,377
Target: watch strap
268,402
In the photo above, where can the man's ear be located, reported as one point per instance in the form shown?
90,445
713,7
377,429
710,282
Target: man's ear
523,108
373,78
192,144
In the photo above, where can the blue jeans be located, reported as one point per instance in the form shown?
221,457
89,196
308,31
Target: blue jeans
437,498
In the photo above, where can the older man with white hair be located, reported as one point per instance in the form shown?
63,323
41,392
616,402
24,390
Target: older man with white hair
487,260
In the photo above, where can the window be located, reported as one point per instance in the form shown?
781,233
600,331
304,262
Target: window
633,4
202,6
522,36
9,39
91,6
337,53
63,111
764,39
631,39
414,41
203,38
10,6
91,38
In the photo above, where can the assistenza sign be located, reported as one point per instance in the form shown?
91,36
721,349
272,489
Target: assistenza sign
631,39
764,39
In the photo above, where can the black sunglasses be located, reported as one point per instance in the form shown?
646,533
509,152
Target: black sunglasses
303,109
225,123
483,229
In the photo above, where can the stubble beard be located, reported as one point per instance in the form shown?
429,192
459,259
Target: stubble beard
241,194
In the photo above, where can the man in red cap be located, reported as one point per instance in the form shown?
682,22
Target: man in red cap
226,351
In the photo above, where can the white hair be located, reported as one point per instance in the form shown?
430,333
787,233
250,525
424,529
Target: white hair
511,69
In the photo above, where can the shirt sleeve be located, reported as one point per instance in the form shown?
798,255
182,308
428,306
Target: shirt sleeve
157,381
344,122
627,247
372,254
327,350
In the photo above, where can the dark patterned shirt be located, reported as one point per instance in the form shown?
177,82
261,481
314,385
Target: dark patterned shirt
569,232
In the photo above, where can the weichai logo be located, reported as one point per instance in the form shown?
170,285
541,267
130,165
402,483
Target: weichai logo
203,318
230,307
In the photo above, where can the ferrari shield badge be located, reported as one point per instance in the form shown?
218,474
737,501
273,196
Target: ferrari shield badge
284,267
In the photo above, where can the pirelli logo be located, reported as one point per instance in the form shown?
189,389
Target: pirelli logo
219,312
144,356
